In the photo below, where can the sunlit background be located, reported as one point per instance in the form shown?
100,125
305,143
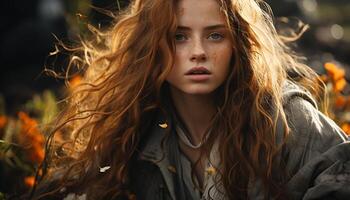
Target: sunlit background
28,29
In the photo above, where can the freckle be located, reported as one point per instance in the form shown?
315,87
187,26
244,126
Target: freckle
181,11
214,57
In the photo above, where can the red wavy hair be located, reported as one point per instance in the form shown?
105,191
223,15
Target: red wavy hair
124,73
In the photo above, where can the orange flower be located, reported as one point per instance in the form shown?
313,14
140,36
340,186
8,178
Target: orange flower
28,124
75,81
36,154
29,129
31,138
340,101
339,85
29,181
334,71
3,121
346,128
337,76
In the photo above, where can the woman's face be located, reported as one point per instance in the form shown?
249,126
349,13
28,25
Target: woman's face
203,48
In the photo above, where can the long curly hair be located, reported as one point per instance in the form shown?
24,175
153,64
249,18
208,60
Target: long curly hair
124,73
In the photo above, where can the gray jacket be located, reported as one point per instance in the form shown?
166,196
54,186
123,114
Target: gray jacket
317,155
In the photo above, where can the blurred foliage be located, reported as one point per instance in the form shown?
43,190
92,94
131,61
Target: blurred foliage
339,100
22,142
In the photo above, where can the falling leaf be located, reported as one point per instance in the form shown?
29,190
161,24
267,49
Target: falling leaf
172,169
211,170
104,169
164,125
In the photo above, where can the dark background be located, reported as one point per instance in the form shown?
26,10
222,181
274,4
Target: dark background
28,27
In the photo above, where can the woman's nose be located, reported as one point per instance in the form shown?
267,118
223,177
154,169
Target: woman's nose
198,53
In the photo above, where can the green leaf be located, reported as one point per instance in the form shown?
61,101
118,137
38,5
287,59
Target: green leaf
6,146
50,107
2,196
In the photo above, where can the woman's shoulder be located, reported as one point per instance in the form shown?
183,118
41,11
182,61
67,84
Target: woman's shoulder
317,153
311,132
310,129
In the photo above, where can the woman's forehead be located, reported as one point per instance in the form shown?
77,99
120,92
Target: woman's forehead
197,12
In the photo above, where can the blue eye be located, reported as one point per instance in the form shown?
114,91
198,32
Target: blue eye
216,36
180,37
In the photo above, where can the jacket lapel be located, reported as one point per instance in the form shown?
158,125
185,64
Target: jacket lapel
154,153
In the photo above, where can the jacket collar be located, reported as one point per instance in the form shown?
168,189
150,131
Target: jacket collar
152,150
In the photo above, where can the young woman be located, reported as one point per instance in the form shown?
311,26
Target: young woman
195,99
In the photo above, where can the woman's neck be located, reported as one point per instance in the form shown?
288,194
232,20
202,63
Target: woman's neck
196,111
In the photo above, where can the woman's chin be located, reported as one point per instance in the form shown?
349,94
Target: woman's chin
199,91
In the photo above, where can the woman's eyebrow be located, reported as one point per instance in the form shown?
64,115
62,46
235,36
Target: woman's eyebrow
207,28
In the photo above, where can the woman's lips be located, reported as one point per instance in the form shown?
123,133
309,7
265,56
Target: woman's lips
198,74
199,77
198,70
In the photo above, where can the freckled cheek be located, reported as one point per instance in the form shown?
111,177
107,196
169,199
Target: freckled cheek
180,60
177,69
221,57
226,54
